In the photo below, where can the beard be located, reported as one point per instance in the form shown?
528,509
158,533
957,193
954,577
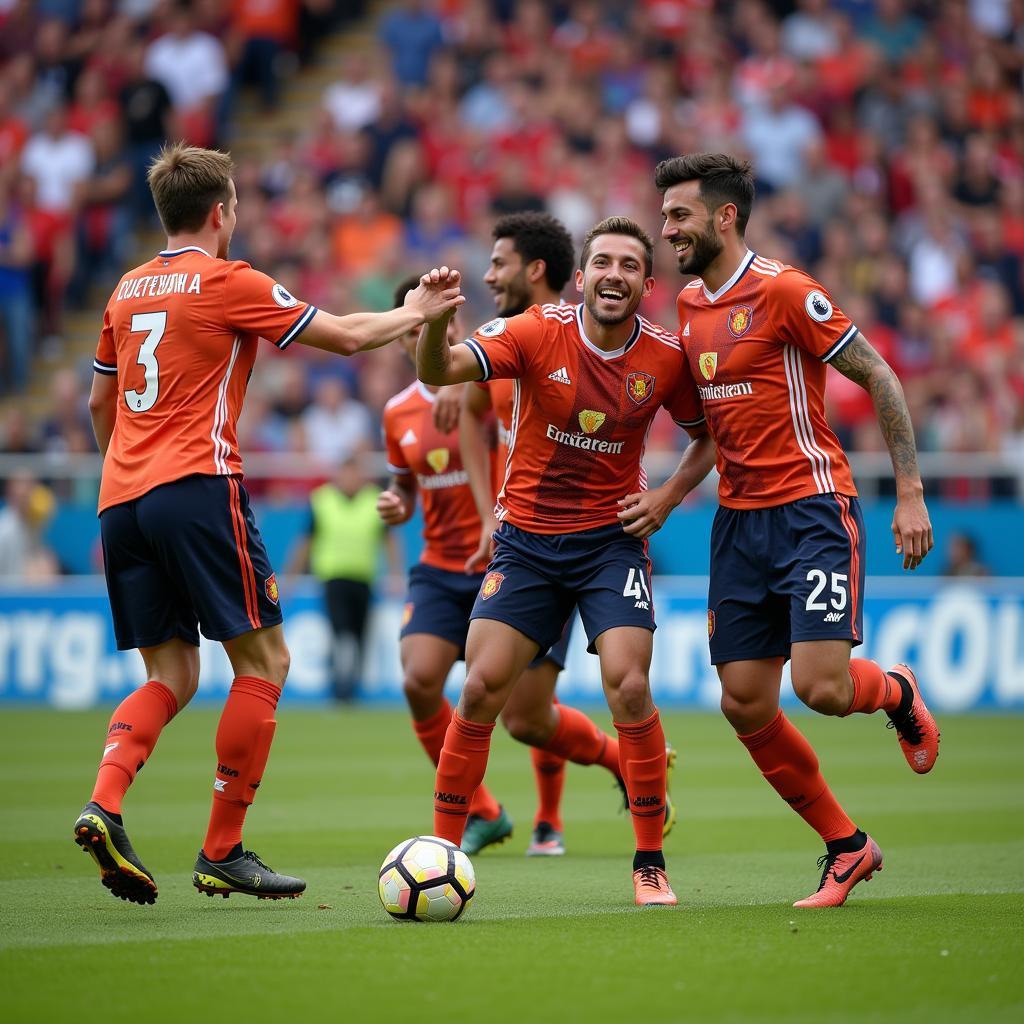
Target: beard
704,250
515,297
611,320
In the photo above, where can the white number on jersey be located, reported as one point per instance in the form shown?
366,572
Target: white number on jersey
154,324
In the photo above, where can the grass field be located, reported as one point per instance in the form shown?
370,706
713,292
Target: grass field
937,936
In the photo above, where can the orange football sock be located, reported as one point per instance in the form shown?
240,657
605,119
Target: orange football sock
790,765
549,773
460,770
579,740
430,732
244,735
642,763
872,688
134,729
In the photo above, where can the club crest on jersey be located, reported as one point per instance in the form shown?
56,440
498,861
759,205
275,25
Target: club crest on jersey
407,614
438,458
740,319
708,363
639,386
492,327
283,297
818,307
270,585
591,420
492,584
711,623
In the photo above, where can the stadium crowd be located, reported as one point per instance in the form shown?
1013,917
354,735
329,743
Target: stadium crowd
887,137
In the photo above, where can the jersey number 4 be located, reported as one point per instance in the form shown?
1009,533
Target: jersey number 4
154,325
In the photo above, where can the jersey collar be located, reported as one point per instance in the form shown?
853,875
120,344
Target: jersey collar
178,252
740,271
425,392
615,353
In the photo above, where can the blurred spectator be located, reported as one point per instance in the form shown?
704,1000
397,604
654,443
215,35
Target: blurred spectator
335,424
413,33
353,100
263,37
24,556
778,135
17,315
962,557
58,160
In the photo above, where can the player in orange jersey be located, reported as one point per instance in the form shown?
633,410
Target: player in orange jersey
180,544
787,546
588,382
425,460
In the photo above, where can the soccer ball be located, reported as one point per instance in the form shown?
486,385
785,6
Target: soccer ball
426,879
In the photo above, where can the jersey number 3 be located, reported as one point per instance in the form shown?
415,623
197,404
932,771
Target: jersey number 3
154,324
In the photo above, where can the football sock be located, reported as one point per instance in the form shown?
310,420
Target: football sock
873,688
790,765
851,844
645,858
579,740
549,773
430,732
134,729
244,734
642,763
460,770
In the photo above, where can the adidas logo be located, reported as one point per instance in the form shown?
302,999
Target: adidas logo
409,437
686,329
560,375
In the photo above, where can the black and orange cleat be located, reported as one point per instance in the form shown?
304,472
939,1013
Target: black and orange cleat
841,872
651,887
245,874
107,843
918,734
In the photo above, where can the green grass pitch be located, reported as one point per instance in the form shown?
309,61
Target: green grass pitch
936,936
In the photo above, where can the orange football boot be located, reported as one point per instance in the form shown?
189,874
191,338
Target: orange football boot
842,872
651,887
916,729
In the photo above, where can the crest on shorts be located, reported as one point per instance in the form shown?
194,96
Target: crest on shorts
740,319
407,613
591,420
492,584
437,459
711,623
639,386
270,585
708,363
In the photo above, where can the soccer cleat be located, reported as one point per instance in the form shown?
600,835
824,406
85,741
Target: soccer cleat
107,843
670,809
245,874
547,841
842,871
918,734
480,832
651,888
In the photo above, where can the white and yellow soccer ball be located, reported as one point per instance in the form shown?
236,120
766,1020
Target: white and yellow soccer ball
426,879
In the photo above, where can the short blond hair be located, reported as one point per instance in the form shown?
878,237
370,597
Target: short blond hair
186,181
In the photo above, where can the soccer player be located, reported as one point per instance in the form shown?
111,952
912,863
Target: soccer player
588,381
180,544
787,545
426,460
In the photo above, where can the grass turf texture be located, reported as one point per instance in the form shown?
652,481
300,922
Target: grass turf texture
935,937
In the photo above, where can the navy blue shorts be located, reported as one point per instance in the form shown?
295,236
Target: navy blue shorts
559,650
535,580
183,557
785,574
438,602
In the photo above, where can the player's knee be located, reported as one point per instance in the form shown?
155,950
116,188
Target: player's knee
525,728
828,695
480,698
632,694
745,716
421,693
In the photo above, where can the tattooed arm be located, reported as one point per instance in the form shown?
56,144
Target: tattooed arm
910,525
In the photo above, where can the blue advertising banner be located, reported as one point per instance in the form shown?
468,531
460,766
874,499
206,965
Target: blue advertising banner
965,639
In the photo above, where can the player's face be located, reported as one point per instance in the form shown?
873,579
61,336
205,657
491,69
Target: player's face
227,225
614,280
506,277
690,227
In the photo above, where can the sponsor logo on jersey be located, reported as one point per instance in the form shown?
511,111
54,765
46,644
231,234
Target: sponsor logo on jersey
492,584
270,585
591,421
409,437
740,319
560,375
407,611
818,306
438,482
639,386
437,459
492,327
708,363
711,623
283,297
714,392
584,443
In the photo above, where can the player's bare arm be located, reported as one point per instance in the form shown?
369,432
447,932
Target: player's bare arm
473,443
103,408
395,505
645,512
910,525
437,295
438,362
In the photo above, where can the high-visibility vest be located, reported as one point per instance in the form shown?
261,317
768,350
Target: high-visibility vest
347,534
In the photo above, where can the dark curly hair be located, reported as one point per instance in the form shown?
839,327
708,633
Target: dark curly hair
539,236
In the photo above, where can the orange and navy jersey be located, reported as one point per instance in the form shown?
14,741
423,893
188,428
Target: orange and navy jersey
451,526
580,415
501,395
756,357
180,333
